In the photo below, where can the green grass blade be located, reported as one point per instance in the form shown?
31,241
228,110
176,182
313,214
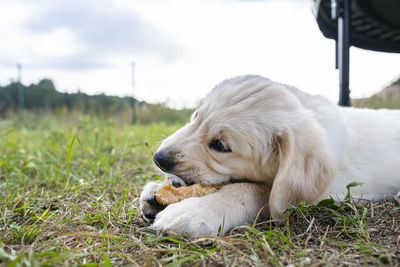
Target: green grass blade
70,151
106,260
182,260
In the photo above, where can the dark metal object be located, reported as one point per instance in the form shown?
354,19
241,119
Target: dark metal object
343,45
367,24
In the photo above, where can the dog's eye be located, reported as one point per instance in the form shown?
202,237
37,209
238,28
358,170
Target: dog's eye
219,146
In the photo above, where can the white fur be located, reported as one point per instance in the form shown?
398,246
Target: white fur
369,153
292,145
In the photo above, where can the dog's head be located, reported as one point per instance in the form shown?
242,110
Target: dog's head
249,128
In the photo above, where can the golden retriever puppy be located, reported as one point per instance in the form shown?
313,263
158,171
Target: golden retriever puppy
278,146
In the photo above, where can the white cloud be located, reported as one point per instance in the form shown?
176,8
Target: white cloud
78,34
60,42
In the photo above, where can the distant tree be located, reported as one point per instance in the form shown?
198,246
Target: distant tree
44,95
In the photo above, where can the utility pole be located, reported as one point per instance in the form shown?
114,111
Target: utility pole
20,94
134,100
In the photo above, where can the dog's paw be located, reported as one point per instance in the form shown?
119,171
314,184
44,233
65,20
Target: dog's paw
190,217
149,207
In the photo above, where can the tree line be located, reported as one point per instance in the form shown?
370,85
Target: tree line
44,96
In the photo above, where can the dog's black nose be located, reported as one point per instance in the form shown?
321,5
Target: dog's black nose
164,161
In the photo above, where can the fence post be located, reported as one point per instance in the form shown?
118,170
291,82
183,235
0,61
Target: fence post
20,94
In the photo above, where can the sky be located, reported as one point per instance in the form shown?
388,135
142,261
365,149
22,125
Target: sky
180,48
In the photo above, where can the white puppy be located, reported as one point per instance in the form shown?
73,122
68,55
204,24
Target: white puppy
281,146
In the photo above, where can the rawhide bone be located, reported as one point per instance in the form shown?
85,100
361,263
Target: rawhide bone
169,194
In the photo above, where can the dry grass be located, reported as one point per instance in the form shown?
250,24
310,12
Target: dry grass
74,201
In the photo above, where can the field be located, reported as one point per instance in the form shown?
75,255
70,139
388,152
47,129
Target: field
69,193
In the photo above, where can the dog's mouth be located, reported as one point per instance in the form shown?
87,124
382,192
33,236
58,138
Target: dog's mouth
189,177
178,180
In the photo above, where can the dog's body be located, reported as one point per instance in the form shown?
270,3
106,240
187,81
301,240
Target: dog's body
282,145
364,144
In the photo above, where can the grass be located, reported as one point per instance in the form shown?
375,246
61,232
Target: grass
69,196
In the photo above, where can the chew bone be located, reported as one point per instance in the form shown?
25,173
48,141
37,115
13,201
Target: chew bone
169,194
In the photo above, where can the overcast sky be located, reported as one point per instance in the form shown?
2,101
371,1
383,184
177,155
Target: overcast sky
181,48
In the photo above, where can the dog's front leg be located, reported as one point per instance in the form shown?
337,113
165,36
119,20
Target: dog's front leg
235,204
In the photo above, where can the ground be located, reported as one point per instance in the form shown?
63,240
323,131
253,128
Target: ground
69,192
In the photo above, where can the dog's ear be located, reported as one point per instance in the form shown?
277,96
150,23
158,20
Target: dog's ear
304,171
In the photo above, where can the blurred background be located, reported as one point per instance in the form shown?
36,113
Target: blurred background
157,59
